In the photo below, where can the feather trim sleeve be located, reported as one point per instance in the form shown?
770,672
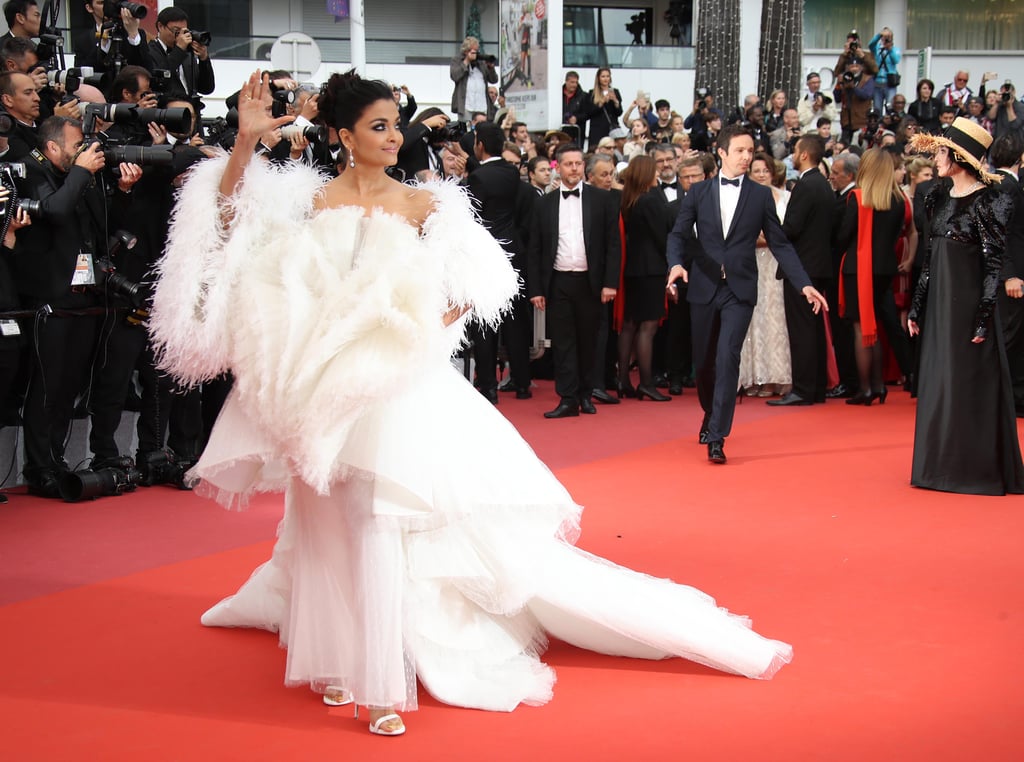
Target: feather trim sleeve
478,273
190,324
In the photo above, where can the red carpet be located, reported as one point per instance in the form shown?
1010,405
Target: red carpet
904,607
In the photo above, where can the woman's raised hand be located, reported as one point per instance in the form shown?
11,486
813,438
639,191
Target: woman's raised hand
254,105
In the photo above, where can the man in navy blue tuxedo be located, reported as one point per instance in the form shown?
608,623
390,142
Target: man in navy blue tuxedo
711,247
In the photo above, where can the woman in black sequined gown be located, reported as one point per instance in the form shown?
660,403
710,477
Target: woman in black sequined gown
965,437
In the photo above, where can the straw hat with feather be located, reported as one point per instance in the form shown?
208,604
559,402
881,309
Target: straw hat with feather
969,142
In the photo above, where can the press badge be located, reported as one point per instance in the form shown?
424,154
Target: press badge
10,328
84,275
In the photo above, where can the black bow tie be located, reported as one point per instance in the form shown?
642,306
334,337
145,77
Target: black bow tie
673,186
734,181
574,192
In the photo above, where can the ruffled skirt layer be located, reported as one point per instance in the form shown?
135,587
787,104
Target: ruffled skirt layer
445,554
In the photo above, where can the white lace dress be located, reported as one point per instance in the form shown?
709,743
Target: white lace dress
765,357
405,552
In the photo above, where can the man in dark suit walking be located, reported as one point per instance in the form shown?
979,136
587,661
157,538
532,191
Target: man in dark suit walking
505,204
573,268
1005,155
712,248
808,225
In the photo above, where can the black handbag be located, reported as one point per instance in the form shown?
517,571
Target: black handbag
892,79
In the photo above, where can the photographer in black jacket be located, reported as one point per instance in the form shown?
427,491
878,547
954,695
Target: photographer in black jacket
55,271
110,42
187,59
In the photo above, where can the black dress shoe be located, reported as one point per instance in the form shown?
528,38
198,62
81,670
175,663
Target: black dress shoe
651,393
508,385
702,437
789,400
661,381
587,406
45,485
715,452
523,394
675,388
491,395
839,391
604,398
565,409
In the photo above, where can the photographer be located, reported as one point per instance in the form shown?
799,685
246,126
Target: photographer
113,40
784,139
55,271
887,78
857,91
1007,115
21,101
852,50
20,54
188,59
23,19
470,72
422,142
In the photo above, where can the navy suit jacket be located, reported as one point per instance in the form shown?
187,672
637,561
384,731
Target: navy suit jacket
698,243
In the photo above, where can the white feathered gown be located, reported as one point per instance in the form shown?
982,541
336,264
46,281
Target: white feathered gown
408,549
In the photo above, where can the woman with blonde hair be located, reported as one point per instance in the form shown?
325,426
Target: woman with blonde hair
647,221
601,107
873,221
773,110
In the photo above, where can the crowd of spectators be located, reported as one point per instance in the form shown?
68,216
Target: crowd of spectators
85,226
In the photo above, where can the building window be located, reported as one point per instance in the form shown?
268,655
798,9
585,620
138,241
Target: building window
965,24
827,22
598,36
230,25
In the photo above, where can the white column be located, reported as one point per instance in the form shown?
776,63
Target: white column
750,45
556,72
357,35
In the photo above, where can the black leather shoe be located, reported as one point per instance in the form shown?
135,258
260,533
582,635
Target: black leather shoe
508,385
523,394
839,391
491,395
651,393
702,437
587,406
789,400
565,409
45,485
604,397
675,388
715,452
661,381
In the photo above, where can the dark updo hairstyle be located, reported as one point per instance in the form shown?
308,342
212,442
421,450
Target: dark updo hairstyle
344,98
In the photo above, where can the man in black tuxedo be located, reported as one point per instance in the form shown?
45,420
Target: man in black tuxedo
572,269
186,59
505,205
93,46
712,248
808,225
1005,155
843,180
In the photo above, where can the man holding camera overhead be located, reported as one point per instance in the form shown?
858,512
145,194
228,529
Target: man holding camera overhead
470,72
112,20
55,268
184,53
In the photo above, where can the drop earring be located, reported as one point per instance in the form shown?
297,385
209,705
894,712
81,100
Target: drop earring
351,159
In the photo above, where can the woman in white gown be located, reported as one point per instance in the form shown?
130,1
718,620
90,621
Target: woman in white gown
764,361
406,551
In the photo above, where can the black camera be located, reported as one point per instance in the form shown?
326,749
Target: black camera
89,484
174,119
109,280
160,80
1006,92
282,100
202,37
489,59
848,76
162,467
112,9
50,46
450,133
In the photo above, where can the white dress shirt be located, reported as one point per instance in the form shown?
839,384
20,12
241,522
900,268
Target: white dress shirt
729,197
571,254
